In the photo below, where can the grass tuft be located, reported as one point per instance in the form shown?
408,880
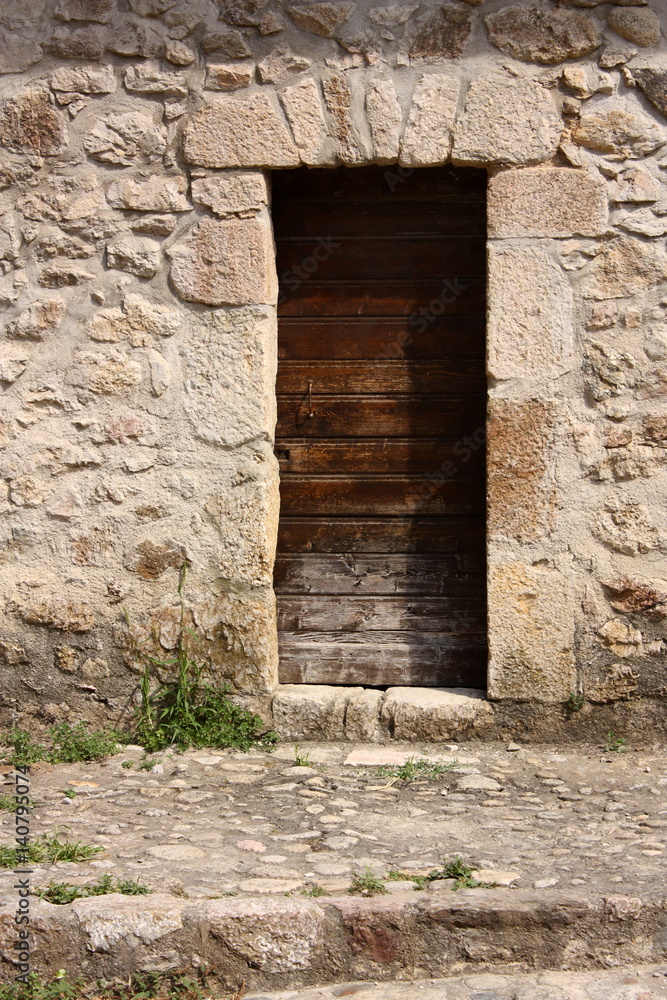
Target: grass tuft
367,884
48,850
62,893
416,768
615,744
69,744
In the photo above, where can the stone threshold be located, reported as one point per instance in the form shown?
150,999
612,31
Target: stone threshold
368,715
271,943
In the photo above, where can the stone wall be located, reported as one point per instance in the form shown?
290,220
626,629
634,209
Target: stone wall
138,350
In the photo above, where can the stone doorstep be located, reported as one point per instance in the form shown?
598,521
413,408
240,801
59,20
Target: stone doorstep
327,712
271,943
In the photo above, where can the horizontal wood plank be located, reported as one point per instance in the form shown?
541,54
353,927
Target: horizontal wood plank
384,338
380,665
381,534
398,496
375,455
411,575
380,416
392,614
391,184
459,294
310,217
341,259
380,377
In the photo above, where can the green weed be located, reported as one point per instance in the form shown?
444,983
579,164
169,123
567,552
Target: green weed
63,892
367,884
48,850
58,989
615,744
421,881
187,712
147,986
69,744
575,703
461,873
416,768
314,890
128,765
7,803
300,759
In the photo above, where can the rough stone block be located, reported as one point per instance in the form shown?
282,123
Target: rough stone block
229,76
623,267
107,921
506,121
521,491
338,97
428,133
226,262
617,125
385,119
537,201
158,193
531,633
134,254
321,18
440,33
362,719
542,36
530,330
236,192
303,107
85,80
638,25
240,133
229,373
272,935
310,711
434,713
240,629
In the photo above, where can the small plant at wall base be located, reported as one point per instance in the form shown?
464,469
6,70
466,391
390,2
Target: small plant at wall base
615,744
69,744
187,712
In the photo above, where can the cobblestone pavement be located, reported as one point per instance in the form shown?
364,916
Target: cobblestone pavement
205,824
639,984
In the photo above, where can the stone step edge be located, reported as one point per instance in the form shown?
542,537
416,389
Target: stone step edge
277,943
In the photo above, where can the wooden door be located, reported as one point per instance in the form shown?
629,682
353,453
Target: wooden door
380,572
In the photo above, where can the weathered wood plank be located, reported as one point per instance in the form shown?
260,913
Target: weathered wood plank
380,416
462,293
310,217
403,257
391,184
361,615
378,665
373,455
381,338
381,534
412,575
373,496
380,376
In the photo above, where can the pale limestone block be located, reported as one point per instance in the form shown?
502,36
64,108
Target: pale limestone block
321,18
160,370
124,137
235,192
229,76
305,114
242,627
280,64
635,185
276,936
538,201
428,133
385,119
310,711
247,514
228,262
506,121
157,193
362,719
618,125
106,921
149,78
40,320
18,53
235,132
624,267
542,36
351,147
229,364
638,25
134,254
530,315
85,79
434,713
531,633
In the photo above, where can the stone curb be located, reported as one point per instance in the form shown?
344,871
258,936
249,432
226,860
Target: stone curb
271,943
